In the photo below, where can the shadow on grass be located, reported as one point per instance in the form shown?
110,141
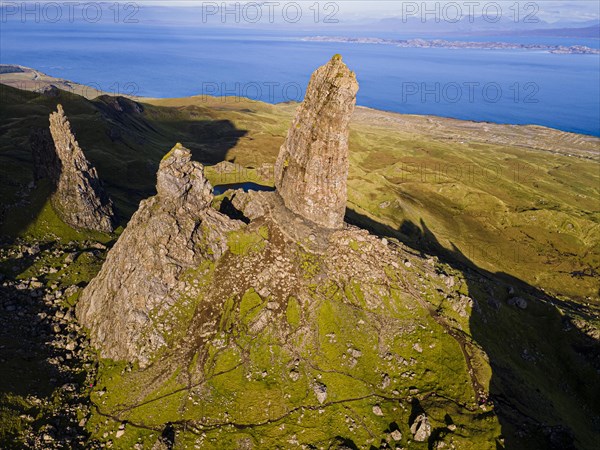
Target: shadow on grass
123,139
42,378
545,384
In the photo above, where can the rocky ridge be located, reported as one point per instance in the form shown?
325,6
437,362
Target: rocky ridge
174,231
185,284
79,197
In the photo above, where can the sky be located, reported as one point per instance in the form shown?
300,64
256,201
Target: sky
547,10
558,13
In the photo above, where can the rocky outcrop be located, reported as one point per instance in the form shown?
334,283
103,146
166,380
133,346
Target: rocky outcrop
128,305
45,161
312,167
238,321
79,198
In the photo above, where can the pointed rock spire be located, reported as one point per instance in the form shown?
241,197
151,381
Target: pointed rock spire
312,168
79,199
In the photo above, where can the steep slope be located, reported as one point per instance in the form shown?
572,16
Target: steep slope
128,306
275,326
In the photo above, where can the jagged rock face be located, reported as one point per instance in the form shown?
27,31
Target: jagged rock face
79,198
141,279
45,161
312,167
180,181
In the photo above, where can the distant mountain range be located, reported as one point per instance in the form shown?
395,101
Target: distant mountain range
585,32
481,26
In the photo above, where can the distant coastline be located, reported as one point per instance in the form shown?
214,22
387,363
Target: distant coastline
33,80
441,43
582,121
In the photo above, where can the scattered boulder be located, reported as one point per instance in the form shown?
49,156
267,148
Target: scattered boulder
377,411
385,382
421,428
519,302
121,431
320,391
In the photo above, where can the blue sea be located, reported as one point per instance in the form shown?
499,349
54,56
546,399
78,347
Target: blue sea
168,60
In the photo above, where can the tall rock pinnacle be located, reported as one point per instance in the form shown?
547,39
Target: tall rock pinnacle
79,199
312,167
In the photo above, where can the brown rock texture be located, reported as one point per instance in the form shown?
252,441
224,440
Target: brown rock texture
312,167
156,285
79,198
130,305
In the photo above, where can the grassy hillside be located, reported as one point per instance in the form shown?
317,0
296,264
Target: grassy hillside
523,207
508,211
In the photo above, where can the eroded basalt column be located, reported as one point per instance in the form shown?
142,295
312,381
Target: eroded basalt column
312,167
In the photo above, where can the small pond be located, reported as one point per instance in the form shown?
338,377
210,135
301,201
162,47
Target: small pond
248,186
